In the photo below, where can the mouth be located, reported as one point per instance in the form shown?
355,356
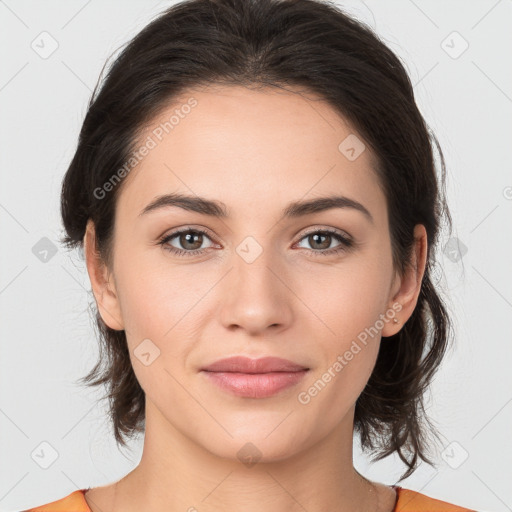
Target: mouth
254,378
255,385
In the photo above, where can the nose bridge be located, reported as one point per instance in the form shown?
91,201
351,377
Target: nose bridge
255,296
253,267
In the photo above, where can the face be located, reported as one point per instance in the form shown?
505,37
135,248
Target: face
315,287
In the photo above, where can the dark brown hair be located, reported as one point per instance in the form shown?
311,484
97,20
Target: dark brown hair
310,45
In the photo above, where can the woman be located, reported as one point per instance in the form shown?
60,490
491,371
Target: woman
255,192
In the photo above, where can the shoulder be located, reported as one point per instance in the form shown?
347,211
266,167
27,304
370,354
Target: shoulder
413,501
407,501
74,502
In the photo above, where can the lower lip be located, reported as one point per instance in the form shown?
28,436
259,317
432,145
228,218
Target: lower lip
255,385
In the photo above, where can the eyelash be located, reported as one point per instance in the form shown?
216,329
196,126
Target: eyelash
345,242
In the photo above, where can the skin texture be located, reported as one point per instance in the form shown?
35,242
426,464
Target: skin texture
256,151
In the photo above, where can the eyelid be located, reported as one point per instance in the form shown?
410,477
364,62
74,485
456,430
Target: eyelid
316,229
185,229
202,229
346,241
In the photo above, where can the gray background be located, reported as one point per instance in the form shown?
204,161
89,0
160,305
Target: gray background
47,338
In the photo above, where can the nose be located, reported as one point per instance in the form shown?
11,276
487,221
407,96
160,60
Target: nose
256,296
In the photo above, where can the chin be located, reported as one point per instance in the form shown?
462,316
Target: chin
250,446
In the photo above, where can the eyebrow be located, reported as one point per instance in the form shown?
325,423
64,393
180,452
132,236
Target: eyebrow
219,210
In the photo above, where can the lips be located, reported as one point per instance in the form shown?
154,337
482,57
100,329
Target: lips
254,378
243,364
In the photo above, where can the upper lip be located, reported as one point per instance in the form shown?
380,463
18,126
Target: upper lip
242,364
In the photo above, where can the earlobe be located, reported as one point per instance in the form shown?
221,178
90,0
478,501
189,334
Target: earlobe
104,292
404,300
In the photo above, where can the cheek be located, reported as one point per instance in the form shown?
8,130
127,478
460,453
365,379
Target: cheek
348,356
159,310
351,304
346,299
161,315
155,296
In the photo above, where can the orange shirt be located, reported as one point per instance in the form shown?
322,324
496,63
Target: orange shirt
407,501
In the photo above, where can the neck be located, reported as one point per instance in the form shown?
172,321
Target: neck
176,473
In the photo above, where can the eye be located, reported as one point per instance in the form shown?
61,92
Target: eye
190,239
322,239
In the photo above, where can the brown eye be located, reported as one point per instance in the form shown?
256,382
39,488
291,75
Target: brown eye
189,242
321,241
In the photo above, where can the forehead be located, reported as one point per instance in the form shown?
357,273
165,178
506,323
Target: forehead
251,147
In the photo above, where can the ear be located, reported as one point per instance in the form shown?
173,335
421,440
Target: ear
404,295
104,292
